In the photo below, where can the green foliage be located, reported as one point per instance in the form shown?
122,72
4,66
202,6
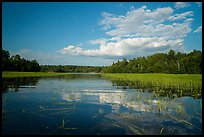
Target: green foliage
71,69
161,84
16,63
11,74
171,63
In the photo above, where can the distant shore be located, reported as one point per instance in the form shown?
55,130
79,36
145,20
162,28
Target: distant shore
13,74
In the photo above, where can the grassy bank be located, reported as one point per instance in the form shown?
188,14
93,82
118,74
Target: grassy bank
182,83
173,79
11,74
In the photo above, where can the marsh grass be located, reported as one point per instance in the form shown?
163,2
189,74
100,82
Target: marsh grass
171,85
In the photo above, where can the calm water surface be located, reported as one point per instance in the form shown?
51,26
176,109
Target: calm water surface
89,104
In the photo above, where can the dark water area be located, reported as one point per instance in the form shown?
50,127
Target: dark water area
89,104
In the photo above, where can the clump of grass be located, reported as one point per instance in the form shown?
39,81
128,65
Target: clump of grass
178,84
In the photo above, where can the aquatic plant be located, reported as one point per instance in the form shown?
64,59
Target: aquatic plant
161,131
159,106
136,130
181,121
62,126
180,109
66,128
171,85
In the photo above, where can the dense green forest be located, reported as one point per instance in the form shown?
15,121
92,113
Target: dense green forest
16,63
171,63
70,68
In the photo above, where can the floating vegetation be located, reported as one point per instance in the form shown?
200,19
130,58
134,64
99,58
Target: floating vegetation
66,128
159,106
62,103
135,129
42,108
161,131
62,123
188,123
70,128
180,109
44,116
181,121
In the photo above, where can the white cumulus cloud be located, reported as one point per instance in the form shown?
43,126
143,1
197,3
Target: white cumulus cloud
139,32
146,23
128,47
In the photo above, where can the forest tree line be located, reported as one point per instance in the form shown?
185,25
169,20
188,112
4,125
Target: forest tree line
71,68
16,63
171,62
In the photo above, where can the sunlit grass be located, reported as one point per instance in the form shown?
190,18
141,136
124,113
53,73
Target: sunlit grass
190,84
167,79
12,74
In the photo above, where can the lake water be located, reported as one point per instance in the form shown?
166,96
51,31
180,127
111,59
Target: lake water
89,104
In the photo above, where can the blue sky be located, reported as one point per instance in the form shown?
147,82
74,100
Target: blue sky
98,33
